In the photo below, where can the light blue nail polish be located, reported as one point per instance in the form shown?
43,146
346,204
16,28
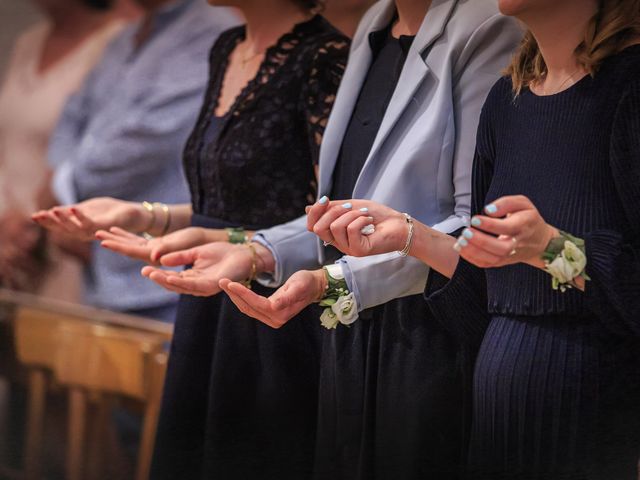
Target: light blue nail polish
463,242
491,208
347,205
476,222
364,209
323,200
467,233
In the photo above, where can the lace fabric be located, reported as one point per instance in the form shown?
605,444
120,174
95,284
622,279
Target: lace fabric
258,168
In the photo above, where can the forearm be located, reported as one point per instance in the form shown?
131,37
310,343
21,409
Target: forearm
435,249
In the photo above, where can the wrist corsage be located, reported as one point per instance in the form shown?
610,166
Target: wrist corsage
340,304
237,235
565,260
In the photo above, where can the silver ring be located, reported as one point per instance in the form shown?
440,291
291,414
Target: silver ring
514,251
326,244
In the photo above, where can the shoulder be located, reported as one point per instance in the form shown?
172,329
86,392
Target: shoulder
479,24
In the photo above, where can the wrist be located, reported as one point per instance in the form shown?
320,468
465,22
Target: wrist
265,261
321,283
141,218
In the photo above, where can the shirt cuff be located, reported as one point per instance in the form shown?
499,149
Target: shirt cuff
351,281
270,280
62,184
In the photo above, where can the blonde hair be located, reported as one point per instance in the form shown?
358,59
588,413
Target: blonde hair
611,30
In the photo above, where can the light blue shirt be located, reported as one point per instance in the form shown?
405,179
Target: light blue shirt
123,133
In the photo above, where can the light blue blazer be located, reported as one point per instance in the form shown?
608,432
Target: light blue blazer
421,159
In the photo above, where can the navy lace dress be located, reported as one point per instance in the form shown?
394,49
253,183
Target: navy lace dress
557,381
240,398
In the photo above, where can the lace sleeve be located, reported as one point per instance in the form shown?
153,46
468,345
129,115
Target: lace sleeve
325,74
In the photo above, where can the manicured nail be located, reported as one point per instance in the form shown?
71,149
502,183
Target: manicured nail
457,247
491,208
476,222
347,205
463,242
323,200
364,209
467,233
368,230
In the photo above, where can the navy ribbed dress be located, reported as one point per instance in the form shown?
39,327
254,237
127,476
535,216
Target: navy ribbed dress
556,387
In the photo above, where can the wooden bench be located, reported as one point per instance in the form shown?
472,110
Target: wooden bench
94,355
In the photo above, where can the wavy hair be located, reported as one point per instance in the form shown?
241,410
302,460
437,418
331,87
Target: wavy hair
611,30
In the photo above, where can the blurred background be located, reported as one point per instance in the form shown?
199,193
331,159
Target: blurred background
15,16
81,371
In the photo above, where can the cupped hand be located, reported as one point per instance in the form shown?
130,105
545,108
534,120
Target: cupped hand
511,231
84,219
209,264
358,227
301,290
151,250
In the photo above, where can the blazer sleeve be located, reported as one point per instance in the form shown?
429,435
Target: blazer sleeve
485,54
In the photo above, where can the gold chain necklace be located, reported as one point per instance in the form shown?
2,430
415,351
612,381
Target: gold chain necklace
559,88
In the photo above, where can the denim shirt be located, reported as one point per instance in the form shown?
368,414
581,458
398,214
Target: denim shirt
123,133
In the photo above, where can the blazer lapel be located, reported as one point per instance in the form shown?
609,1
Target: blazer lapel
413,73
350,86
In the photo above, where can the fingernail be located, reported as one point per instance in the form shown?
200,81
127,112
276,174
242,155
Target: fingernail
364,209
347,205
323,200
457,247
463,242
368,230
467,233
491,208
476,222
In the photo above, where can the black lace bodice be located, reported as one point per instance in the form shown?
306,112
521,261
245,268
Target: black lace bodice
257,170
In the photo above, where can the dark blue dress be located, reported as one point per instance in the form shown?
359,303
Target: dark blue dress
557,380
240,398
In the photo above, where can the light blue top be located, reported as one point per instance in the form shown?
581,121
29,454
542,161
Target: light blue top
421,159
123,133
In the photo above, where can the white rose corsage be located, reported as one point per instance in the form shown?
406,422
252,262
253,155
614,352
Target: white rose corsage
565,260
339,304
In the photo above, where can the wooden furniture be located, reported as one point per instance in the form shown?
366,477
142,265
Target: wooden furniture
95,355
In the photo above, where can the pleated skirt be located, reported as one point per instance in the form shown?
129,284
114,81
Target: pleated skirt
555,398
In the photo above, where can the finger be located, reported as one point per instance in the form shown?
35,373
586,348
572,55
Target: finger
182,257
195,285
160,277
475,255
322,228
49,221
136,240
339,227
314,212
83,221
358,242
66,221
500,247
509,204
124,233
510,226
251,304
133,251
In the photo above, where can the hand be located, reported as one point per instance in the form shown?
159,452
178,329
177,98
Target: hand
302,289
210,263
512,231
341,223
152,250
82,220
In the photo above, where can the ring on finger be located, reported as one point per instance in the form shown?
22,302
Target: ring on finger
327,244
514,242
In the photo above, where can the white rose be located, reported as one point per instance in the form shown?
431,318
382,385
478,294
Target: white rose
560,270
345,309
328,319
575,258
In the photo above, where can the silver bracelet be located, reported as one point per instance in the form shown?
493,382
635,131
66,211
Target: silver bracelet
405,251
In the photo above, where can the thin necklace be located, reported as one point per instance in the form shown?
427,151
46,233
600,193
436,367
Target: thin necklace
245,60
559,89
